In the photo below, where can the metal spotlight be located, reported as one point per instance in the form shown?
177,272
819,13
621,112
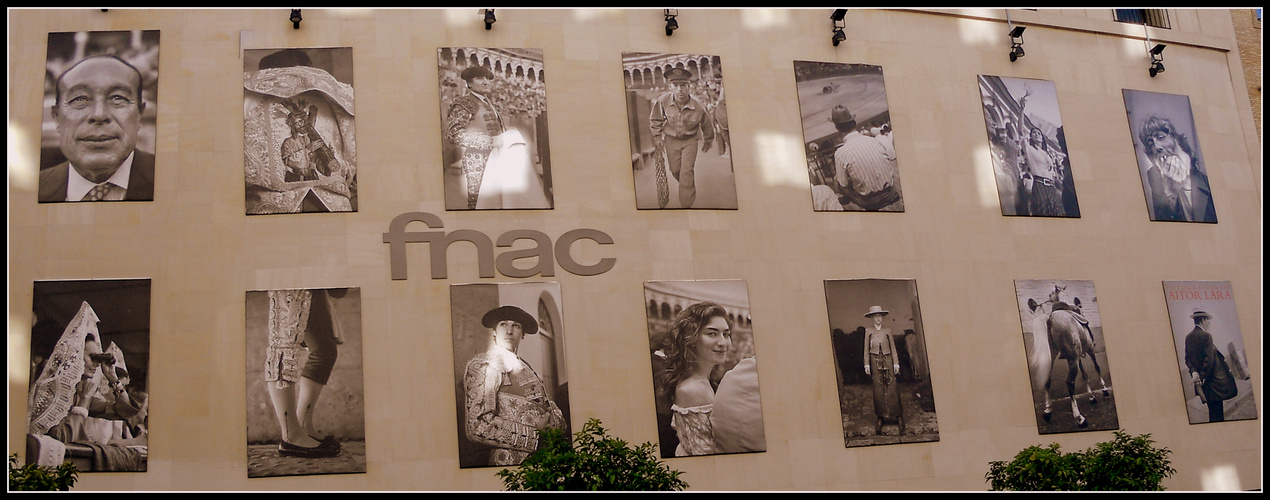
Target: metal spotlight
1157,60
295,18
1016,43
838,25
488,14
671,23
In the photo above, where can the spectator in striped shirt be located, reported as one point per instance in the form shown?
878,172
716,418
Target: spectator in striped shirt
866,174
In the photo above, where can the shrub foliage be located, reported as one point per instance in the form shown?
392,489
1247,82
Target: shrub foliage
594,461
1122,464
32,477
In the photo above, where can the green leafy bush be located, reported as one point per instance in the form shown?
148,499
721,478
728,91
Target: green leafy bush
592,462
1122,464
1126,464
32,477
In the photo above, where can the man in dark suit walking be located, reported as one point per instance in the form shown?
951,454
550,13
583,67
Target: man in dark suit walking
1209,372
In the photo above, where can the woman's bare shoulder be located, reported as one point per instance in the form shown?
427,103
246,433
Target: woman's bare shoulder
694,392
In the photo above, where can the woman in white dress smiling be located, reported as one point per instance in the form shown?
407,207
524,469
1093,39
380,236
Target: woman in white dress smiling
699,339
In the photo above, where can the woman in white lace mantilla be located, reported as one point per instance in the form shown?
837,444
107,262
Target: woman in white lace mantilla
699,339
78,399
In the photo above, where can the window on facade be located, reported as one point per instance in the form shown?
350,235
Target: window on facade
1158,18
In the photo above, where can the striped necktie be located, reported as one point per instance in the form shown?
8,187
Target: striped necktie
98,192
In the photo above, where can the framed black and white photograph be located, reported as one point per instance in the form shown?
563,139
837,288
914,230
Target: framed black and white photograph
1174,176
1216,378
101,101
299,146
1066,356
88,401
305,398
705,372
880,358
510,376
681,150
1029,148
494,129
847,137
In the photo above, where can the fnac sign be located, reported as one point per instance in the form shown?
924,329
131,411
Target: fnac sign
439,243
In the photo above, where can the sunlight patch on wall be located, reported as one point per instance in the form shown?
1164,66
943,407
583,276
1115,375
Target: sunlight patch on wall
459,17
19,348
780,159
353,13
985,178
1220,478
22,160
1138,49
978,32
765,18
594,14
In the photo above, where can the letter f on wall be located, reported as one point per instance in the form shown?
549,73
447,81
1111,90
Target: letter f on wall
397,237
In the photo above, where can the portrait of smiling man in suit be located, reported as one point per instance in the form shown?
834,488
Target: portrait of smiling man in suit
98,111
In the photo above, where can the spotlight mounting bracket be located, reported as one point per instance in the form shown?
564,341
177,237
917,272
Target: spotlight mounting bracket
488,16
671,23
837,17
1016,43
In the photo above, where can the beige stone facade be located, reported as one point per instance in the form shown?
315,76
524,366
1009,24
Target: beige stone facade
202,252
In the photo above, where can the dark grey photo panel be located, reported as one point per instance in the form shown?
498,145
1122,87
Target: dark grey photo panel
1174,175
494,150
299,146
1216,379
705,368
1029,149
881,362
847,137
1067,356
510,375
102,104
681,147
305,395
89,400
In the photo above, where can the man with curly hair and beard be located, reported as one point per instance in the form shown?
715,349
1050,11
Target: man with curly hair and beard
1178,185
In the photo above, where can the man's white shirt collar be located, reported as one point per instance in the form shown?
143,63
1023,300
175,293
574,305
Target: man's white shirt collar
77,186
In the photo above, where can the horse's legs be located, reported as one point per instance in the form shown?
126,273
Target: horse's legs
1084,374
1106,393
1049,367
1072,366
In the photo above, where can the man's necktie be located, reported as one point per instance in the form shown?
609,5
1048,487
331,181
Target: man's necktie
98,192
